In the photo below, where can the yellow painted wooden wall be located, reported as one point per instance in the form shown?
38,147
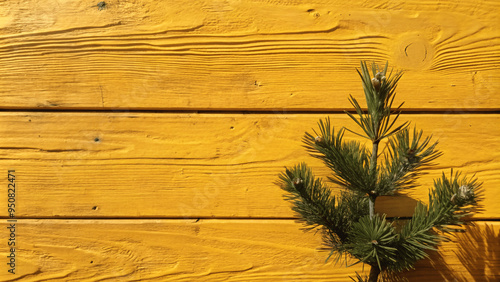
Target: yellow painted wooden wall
146,135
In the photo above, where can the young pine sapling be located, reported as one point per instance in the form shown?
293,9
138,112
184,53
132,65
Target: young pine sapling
351,228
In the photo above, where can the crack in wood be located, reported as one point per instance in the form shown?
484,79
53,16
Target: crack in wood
102,96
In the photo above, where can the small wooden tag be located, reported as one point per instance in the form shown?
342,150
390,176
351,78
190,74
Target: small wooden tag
395,206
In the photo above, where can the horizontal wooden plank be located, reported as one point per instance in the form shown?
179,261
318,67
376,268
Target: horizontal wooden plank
215,250
198,165
245,55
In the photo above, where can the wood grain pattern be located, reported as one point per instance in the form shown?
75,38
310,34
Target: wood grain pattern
217,250
198,165
182,196
245,55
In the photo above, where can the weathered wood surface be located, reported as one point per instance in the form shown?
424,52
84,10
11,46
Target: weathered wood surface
245,55
217,250
198,165
276,56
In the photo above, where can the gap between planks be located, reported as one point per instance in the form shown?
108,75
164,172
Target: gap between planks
197,219
229,111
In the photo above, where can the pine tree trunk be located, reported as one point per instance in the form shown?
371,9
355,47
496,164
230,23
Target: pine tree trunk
373,161
373,170
374,272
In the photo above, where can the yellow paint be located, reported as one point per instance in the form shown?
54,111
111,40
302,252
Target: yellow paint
274,55
199,165
206,55
214,250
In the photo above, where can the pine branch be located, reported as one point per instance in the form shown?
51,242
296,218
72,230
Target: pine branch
348,160
350,227
379,95
449,201
355,207
405,160
314,203
373,241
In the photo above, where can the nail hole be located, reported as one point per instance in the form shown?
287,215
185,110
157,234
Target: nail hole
94,208
232,127
91,261
101,5
97,139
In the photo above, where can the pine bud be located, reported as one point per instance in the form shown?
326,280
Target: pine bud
376,83
374,242
297,181
463,195
318,139
377,80
411,157
465,192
